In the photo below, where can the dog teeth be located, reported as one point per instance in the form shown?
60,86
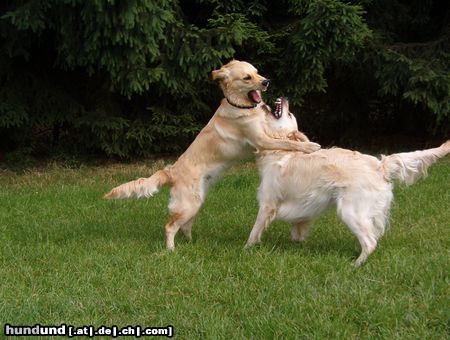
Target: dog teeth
278,108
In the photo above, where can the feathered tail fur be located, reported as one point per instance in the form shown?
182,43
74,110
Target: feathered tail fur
409,166
142,187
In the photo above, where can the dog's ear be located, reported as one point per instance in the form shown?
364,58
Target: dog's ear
221,74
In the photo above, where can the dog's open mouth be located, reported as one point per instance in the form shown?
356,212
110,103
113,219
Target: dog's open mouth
278,112
254,96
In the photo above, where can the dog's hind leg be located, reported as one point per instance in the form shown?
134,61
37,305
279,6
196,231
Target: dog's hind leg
266,215
186,229
299,230
183,220
183,207
356,212
364,230
368,242
171,230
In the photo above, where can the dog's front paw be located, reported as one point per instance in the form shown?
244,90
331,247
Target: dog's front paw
310,147
297,136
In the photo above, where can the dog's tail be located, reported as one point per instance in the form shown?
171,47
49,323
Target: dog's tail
142,187
408,167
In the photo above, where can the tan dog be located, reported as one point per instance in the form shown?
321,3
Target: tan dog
296,187
237,128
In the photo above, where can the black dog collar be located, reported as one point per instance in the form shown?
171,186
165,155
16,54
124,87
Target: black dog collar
241,106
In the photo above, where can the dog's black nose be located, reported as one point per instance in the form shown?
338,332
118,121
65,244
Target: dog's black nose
265,82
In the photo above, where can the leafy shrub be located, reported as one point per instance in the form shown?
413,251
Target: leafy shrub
131,78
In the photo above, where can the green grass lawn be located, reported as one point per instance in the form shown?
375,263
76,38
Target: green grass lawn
68,256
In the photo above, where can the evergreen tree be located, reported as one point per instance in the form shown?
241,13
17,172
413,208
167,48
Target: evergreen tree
132,77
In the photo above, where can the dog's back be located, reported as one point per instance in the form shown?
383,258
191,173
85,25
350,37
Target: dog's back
310,183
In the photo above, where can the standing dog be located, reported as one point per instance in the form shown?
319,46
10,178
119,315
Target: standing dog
297,187
237,128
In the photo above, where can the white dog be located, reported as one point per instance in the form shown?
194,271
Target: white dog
297,187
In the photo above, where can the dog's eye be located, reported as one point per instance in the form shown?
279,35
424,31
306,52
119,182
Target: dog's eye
247,77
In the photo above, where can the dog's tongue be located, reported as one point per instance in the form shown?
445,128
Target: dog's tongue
254,96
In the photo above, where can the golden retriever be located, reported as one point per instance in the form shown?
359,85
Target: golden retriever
237,128
297,187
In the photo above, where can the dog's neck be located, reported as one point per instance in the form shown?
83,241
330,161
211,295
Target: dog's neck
228,111
241,106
